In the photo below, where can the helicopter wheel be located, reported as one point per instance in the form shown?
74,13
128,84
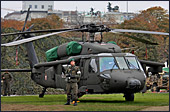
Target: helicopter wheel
129,97
41,95
43,92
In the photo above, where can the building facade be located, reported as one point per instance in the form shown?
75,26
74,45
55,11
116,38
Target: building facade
41,9
38,5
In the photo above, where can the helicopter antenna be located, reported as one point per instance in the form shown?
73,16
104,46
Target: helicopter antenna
101,37
91,36
83,37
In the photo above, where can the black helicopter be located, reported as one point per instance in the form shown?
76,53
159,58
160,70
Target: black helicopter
104,68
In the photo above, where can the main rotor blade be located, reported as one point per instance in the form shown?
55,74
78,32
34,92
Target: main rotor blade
151,63
24,24
140,40
26,20
123,49
37,31
26,30
33,38
137,31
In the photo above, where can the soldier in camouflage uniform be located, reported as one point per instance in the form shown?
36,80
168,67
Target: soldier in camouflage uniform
72,78
6,77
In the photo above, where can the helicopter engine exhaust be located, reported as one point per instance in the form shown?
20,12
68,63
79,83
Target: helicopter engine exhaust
133,83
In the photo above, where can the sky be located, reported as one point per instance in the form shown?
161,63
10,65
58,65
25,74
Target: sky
133,6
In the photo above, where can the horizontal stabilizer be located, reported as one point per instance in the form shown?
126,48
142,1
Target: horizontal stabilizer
37,31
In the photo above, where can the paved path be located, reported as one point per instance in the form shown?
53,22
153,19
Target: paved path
156,108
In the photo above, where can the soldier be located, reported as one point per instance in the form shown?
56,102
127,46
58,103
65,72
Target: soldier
6,77
72,78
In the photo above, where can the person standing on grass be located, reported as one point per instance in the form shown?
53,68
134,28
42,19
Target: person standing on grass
6,78
72,78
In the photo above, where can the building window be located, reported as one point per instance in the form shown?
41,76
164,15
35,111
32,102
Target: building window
35,6
42,6
50,7
30,6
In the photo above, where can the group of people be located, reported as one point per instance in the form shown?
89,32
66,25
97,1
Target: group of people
72,78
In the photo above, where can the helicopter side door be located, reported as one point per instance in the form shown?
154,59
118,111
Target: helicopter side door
83,78
92,72
59,77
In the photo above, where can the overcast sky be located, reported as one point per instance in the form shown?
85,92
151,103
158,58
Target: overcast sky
133,6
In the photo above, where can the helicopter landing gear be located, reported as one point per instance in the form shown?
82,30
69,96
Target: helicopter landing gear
43,92
129,96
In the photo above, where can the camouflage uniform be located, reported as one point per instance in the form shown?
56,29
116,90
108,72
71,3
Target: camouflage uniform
6,77
72,79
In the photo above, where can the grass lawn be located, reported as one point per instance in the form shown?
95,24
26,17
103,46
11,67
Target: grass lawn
97,102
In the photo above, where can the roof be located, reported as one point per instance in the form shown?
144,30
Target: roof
13,13
22,12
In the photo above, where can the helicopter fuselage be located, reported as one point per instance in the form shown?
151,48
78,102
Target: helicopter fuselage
100,73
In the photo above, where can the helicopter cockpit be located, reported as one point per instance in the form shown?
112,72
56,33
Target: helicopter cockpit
107,63
111,69
122,61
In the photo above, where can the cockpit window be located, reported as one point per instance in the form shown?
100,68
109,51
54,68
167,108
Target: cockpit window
107,63
93,66
132,63
121,62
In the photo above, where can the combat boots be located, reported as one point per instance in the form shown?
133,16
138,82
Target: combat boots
75,104
68,102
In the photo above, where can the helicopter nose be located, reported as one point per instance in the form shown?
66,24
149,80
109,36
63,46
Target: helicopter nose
133,84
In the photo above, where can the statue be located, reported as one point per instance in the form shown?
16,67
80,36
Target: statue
109,7
92,11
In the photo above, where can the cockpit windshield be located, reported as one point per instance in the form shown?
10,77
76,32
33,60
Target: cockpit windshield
121,62
107,63
132,63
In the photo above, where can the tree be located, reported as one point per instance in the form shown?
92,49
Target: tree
152,19
11,24
50,22
22,82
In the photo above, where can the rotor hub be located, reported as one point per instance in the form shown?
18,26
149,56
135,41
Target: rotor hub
92,28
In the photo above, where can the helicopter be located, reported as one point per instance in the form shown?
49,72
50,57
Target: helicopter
104,68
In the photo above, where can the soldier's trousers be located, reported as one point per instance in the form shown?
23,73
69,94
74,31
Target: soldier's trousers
72,91
6,88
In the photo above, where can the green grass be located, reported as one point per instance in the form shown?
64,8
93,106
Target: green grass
105,102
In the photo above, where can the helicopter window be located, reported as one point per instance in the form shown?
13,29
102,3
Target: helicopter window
93,66
132,63
140,66
107,63
121,62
